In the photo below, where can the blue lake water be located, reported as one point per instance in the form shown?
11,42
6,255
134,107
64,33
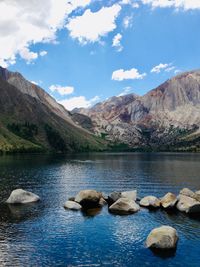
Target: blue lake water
45,234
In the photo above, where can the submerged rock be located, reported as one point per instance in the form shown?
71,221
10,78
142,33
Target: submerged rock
88,198
188,204
169,201
124,206
132,195
150,202
164,238
72,205
20,196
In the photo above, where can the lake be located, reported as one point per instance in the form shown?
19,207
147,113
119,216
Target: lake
45,234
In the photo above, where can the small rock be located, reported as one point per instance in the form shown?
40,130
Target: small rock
197,195
187,192
88,198
132,195
150,202
188,204
164,238
20,196
124,206
168,201
113,197
72,205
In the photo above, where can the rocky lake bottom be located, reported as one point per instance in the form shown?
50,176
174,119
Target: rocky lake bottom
45,234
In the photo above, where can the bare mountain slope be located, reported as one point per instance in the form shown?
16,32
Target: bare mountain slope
31,120
165,118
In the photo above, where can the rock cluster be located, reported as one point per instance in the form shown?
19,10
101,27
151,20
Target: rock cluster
124,203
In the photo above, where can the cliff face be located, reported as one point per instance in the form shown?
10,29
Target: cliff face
165,118
31,120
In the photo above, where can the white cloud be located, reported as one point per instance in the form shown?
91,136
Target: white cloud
179,4
78,102
132,74
125,91
28,55
23,23
62,90
43,53
127,22
170,68
161,66
133,3
117,42
92,26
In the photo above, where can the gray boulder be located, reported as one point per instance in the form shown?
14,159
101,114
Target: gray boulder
114,196
20,196
169,201
187,192
197,195
150,202
72,205
164,238
88,198
188,204
124,206
132,195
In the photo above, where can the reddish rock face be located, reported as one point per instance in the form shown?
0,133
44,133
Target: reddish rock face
163,117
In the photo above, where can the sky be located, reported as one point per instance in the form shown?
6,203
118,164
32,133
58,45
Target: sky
85,51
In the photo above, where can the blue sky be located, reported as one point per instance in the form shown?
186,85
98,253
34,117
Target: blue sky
92,50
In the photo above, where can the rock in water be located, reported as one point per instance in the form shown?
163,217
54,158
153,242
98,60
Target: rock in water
164,238
88,198
132,195
188,204
20,196
113,197
169,201
72,205
187,192
197,195
124,206
150,202
102,202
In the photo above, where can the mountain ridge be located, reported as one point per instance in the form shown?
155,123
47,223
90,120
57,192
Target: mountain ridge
31,120
168,115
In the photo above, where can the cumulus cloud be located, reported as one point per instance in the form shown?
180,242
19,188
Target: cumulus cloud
161,66
78,102
117,42
23,23
62,90
132,74
179,4
92,26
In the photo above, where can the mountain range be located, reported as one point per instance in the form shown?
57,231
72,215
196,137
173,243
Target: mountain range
31,120
167,118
